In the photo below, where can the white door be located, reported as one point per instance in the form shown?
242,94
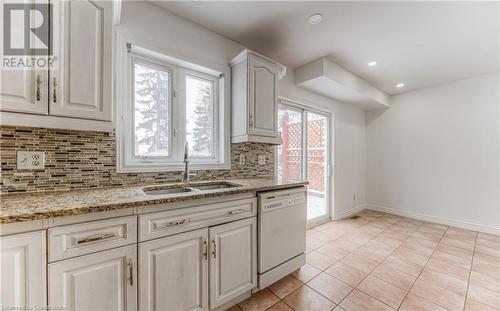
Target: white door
104,281
305,154
233,260
25,90
22,275
263,94
81,86
174,272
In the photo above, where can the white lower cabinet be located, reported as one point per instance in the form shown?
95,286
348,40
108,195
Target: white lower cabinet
233,261
22,276
173,272
100,281
98,265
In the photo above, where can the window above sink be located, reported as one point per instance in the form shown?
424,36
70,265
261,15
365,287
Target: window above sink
164,102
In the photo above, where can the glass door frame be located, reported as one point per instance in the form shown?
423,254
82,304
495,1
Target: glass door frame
293,105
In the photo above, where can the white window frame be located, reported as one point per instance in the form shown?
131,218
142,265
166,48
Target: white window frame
127,54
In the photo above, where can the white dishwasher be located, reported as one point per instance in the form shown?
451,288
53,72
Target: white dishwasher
281,234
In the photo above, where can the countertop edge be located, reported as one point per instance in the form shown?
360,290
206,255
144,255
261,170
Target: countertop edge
34,215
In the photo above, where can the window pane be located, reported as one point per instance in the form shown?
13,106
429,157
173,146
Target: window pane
290,152
316,165
200,116
152,111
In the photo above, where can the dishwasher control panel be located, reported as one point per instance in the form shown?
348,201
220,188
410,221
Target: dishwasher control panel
281,199
281,203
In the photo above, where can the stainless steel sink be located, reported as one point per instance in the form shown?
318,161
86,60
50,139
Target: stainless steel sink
215,186
166,190
159,190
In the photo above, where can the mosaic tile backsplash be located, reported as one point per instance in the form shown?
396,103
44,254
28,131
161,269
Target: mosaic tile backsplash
81,159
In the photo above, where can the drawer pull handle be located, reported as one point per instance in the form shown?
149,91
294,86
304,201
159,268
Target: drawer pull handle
205,251
236,211
131,272
38,82
97,237
54,97
214,252
173,223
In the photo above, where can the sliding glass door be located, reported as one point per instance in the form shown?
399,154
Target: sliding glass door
305,154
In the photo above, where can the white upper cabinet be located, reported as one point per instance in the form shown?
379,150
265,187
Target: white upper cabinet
101,281
76,92
23,263
25,90
81,86
233,261
255,98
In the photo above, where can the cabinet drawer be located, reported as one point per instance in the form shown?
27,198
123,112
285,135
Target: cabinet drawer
156,225
85,238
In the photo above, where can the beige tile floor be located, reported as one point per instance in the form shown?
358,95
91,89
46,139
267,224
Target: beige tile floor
386,262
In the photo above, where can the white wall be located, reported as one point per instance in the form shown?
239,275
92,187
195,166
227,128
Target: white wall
183,39
435,153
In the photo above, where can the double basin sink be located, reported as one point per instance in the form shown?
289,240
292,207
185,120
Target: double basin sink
162,190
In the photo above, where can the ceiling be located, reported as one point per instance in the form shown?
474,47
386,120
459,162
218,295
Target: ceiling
415,43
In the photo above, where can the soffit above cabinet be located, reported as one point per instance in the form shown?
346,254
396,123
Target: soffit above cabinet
329,79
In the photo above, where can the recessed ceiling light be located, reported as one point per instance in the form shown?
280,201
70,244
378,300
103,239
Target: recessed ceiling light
371,64
399,85
315,19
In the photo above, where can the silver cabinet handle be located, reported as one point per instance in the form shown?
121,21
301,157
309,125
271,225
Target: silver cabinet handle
54,96
214,252
173,223
250,120
38,82
130,272
236,211
205,249
97,237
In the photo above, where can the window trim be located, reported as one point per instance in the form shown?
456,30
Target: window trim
125,50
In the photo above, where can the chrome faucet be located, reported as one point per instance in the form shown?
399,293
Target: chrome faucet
186,177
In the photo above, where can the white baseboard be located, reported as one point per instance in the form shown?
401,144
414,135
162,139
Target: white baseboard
436,219
350,212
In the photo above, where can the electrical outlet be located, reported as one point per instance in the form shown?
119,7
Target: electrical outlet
262,159
30,160
242,159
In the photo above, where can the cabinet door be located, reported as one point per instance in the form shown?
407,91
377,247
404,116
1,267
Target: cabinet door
25,90
22,275
81,86
174,272
263,93
101,281
233,260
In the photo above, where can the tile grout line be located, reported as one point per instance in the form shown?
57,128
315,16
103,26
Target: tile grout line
339,260
369,273
470,271
426,263
402,242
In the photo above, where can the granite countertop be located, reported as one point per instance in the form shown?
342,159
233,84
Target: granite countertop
32,206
